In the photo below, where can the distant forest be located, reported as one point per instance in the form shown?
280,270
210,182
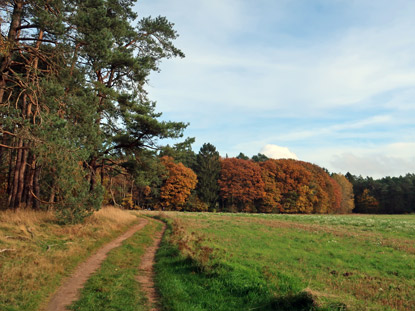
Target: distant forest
389,195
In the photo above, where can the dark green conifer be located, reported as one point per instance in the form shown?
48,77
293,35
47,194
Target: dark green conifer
208,171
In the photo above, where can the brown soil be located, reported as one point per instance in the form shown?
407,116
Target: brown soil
69,291
146,271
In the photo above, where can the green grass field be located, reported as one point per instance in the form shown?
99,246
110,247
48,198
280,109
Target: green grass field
287,262
216,261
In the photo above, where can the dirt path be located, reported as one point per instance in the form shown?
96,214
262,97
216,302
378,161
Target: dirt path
146,271
69,291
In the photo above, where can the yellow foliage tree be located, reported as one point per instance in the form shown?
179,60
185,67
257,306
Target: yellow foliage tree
177,187
347,202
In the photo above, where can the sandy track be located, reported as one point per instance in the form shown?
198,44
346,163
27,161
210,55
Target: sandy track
69,291
146,272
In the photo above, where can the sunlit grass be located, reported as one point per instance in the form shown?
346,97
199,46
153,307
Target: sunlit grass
293,262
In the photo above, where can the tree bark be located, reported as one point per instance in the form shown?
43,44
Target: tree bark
12,36
112,193
21,179
29,198
9,175
15,176
52,195
36,186
28,181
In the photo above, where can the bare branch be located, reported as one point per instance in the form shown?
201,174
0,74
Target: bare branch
36,39
11,147
42,201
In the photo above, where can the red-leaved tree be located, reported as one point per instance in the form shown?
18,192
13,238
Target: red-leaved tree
240,184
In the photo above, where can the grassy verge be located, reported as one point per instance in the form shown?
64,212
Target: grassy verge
240,262
114,285
39,253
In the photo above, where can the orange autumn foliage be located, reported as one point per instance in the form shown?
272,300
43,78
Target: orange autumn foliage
347,201
241,183
292,182
177,187
293,186
367,202
271,202
329,191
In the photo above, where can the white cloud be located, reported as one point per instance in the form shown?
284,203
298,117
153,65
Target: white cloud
278,152
374,160
375,165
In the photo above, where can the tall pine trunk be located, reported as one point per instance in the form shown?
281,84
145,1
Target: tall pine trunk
15,176
36,186
12,36
21,179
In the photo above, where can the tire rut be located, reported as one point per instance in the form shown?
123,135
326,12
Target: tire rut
70,289
146,270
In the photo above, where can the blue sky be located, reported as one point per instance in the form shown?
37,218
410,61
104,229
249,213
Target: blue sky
331,81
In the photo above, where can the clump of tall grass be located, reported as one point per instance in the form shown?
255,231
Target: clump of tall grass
25,217
194,246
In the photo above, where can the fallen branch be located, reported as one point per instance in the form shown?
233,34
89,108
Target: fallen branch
7,250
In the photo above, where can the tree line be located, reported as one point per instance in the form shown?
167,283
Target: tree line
388,195
209,182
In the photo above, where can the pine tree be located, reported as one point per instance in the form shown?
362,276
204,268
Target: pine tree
208,169
118,58
73,102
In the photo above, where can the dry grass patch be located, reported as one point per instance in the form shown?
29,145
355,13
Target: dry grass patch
41,252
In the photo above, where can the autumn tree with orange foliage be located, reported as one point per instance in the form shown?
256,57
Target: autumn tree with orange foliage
240,184
271,202
292,183
367,202
177,186
327,190
293,186
347,203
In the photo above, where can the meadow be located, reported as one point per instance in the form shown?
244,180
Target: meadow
287,262
215,261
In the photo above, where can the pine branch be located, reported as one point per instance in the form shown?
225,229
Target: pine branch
11,147
36,39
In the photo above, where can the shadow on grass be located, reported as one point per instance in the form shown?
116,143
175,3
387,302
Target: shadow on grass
294,302
302,301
